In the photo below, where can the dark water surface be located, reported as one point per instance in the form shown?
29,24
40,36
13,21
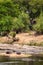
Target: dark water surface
21,61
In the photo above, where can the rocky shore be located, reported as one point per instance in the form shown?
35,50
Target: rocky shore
17,50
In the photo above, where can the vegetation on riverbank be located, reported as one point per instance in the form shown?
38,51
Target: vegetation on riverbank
16,15
35,44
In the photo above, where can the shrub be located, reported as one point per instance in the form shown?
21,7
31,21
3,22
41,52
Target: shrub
6,24
21,24
4,33
39,26
18,25
13,34
25,20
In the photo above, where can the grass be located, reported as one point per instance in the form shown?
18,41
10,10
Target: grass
33,43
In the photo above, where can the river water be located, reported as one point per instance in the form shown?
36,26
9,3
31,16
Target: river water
21,61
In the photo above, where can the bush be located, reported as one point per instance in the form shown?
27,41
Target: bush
18,25
3,33
13,34
39,26
6,24
25,20
21,24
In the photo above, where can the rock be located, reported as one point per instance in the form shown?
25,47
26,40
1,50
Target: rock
18,53
15,39
17,45
25,46
14,51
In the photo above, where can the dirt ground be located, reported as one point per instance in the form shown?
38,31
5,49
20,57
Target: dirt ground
24,38
29,37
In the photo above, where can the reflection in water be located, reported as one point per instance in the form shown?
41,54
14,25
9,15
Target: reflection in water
21,61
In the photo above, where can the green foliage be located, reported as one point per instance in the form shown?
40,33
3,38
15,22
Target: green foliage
5,24
25,20
14,16
35,7
39,26
9,8
13,34
17,24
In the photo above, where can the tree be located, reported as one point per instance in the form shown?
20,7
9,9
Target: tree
35,7
39,26
6,24
18,25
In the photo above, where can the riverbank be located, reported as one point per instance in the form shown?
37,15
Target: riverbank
14,55
24,38
27,45
27,38
17,50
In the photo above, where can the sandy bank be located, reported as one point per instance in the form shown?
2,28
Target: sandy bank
14,55
24,38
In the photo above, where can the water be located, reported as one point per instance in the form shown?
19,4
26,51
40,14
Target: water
21,61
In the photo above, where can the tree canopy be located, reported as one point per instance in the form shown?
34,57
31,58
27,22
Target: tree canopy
16,14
